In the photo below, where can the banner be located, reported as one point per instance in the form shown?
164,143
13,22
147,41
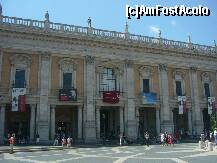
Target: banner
149,98
182,104
211,105
111,97
22,103
67,95
16,92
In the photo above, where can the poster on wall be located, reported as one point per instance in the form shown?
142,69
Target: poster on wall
18,101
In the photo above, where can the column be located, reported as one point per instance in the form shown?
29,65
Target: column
98,121
52,120
32,121
80,122
197,118
190,121
90,122
121,119
158,120
130,105
2,122
44,107
166,120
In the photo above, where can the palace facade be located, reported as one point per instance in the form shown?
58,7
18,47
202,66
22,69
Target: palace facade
91,83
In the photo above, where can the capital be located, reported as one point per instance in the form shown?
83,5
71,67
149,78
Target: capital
193,68
162,67
89,59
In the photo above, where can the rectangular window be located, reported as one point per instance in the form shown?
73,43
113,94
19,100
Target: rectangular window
178,88
108,80
206,88
146,86
67,80
20,80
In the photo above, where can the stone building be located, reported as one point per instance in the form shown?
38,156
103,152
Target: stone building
92,83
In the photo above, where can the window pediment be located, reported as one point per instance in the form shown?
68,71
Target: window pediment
20,60
117,70
205,77
67,65
146,71
178,75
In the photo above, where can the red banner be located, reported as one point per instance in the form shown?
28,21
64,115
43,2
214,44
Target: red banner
22,103
111,97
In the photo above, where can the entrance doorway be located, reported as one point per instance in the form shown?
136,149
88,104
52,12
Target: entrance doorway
66,121
18,123
109,123
147,121
180,122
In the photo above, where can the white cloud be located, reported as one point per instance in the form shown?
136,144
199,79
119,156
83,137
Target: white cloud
173,22
154,29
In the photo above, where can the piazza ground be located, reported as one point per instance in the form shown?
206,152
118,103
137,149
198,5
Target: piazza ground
180,153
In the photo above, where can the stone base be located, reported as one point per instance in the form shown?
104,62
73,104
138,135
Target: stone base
43,131
131,130
90,132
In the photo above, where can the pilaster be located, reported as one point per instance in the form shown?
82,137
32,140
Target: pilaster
130,104
80,121
32,121
196,111
166,120
90,122
2,122
44,107
52,120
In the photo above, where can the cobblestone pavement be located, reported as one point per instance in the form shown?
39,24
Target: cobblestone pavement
180,153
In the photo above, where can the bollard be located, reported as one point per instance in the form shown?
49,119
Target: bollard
210,147
200,145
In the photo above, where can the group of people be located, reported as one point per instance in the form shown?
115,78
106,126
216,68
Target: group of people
167,139
65,141
210,136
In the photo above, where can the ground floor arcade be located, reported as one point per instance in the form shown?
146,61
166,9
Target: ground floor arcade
110,121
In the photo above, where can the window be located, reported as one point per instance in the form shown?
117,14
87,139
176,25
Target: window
206,88
178,88
20,81
108,80
146,86
67,80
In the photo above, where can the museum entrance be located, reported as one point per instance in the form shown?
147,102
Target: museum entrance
109,122
147,121
66,121
18,122
180,122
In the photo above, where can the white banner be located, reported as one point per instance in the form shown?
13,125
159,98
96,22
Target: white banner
211,101
16,92
181,100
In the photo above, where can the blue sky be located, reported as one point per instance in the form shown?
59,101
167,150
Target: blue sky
110,15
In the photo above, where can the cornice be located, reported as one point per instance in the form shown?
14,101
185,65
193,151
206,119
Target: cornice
61,44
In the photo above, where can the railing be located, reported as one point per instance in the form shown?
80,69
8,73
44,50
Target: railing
105,34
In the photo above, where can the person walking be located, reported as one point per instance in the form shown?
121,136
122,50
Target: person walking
215,135
146,136
121,137
162,139
55,140
37,138
11,142
69,143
